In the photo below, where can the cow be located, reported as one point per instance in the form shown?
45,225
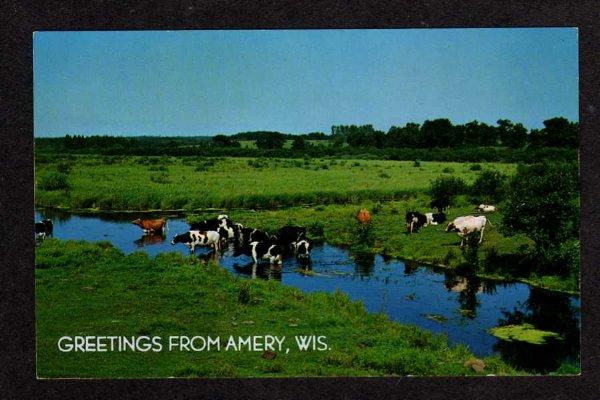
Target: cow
440,204
289,234
467,225
248,235
486,208
44,228
302,248
415,220
435,218
221,224
195,238
364,216
267,250
151,225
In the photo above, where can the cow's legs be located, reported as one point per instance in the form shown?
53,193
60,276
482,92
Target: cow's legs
481,236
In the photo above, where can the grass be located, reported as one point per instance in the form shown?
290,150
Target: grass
322,194
94,289
142,183
499,257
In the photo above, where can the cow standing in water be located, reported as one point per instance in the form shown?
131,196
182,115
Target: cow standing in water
44,228
151,225
199,238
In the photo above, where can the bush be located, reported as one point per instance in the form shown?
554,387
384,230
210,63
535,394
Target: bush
475,167
489,187
444,188
448,170
543,203
416,163
160,178
53,180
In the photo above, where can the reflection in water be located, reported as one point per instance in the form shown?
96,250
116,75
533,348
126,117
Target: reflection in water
364,262
262,270
405,291
546,311
150,239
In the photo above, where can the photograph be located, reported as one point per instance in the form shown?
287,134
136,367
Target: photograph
307,203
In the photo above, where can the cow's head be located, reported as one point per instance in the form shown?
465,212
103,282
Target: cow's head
137,222
182,238
451,228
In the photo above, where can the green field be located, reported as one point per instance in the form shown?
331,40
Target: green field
94,289
322,194
143,183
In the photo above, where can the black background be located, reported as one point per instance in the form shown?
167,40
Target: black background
18,21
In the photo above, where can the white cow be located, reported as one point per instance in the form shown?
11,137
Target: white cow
466,225
485,208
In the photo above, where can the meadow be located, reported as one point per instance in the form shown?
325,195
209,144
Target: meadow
94,289
192,183
322,194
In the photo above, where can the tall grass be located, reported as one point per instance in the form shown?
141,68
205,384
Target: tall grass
139,183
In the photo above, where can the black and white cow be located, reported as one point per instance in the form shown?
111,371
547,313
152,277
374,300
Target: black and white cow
267,250
302,248
290,234
249,235
44,228
222,224
415,220
195,238
435,218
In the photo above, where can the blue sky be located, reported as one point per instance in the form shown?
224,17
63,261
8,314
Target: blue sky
298,81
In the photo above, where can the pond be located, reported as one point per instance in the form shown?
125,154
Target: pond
461,307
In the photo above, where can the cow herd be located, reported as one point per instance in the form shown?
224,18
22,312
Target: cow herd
463,226
217,232
288,240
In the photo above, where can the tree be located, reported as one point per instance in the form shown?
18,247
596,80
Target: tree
437,133
299,143
225,141
542,203
270,140
511,135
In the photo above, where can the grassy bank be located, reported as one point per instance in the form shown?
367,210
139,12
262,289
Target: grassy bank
499,257
93,289
141,183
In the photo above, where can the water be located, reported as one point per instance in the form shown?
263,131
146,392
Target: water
461,307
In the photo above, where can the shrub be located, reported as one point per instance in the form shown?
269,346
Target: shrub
444,188
542,202
244,293
475,167
416,163
53,180
384,175
448,170
489,187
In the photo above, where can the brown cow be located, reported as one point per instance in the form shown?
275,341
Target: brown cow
364,216
151,225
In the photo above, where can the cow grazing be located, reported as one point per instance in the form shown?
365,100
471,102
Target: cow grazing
415,220
267,250
289,234
44,228
198,238
435,218
364,216
485,208
440,204
151,225
302,248
467,225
